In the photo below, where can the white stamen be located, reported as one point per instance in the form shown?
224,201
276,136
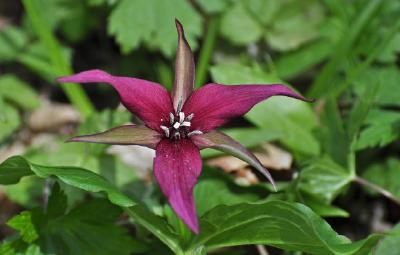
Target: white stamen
181,117
195,132
166,130
177,125
190,117
186,124
171,118
179,108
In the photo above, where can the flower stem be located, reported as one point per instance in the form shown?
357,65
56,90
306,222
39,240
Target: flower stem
74,92
378,189
206,51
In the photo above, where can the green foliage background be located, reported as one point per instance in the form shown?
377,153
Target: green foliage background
345,54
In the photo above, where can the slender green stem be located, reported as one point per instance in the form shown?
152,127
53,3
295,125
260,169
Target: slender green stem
74,92
378,189
206,51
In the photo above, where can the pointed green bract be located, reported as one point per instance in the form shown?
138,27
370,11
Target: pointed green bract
184,69
123,135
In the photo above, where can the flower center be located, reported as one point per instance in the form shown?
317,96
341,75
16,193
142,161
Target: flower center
179,126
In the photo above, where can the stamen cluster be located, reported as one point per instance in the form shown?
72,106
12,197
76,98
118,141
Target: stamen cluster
179,126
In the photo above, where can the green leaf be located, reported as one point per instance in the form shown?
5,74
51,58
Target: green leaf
292,118
385,175
388,79
277,21
9,122
360,110
383,127
12,42
324,179
74,176
24,225
389,53
390,244
18,247
18,92
323,209
285,33
216,188
133,22
284,225
156,225
297,62
334,139
239,27
213,7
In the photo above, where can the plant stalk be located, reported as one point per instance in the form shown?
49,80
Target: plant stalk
206,51
74,92
378,189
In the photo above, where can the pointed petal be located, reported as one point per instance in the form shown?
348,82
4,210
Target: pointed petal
123,135
220,141
148,100
177,166
184,69
214,104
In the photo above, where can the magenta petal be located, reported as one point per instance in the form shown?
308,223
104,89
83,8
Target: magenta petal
177,166
214,104
148,100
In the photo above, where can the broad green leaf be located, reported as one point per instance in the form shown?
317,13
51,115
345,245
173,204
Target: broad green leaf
277,21
285,34
388,79
239,26
389,54
385,175
390,244
334,139
28,192
18,92
360,109
324,179
133,22
213,7
292,118
382,128
13,168
323,209
24,225
82,230
284,225
9,122
12,42
216,188
18,247
156,225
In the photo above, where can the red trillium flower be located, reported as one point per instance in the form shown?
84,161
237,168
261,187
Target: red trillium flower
180,124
